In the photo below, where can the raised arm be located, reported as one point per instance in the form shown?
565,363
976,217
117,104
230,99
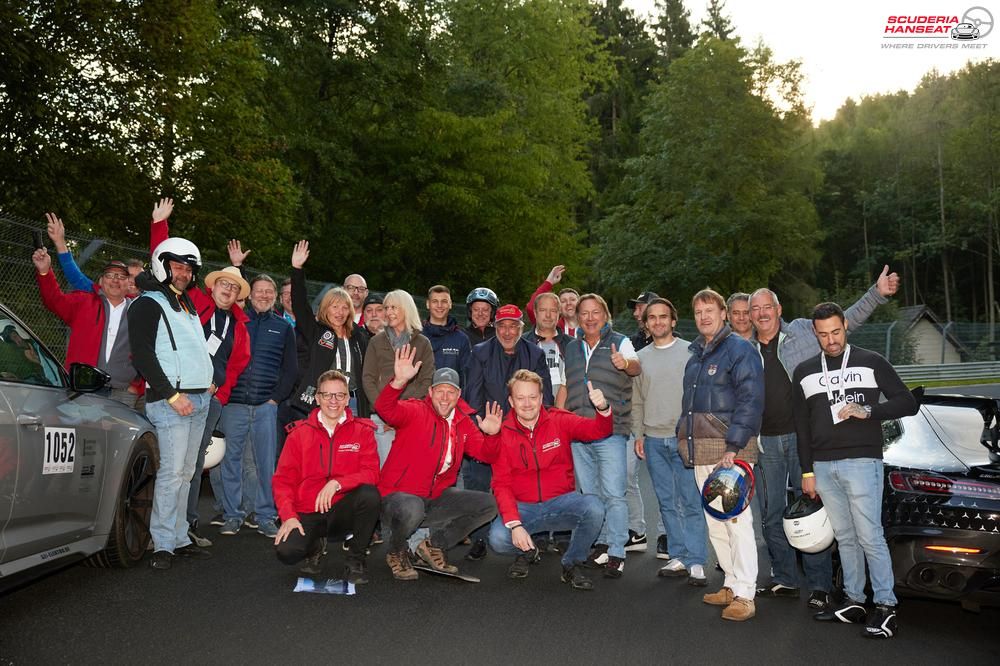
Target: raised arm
74,276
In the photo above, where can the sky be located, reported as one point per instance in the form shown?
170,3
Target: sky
843,45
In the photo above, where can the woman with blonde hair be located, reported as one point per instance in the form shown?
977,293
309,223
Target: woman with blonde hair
402,327
332,340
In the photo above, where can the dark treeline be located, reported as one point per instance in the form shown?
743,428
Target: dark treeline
477,143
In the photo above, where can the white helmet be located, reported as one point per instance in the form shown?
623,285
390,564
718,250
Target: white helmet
807,525
174,249
216,449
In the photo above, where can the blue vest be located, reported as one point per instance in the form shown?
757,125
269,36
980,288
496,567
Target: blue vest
180,346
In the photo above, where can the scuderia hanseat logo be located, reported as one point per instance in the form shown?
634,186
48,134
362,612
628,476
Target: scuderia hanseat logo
917,30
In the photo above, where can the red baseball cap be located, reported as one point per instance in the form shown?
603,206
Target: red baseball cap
511,312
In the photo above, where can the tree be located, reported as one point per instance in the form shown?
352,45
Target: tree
674,36
716,23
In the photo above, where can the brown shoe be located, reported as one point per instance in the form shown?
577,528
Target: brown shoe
741,609
434,557
400,565
723,597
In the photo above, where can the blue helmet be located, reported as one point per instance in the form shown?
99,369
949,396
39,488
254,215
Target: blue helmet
727,492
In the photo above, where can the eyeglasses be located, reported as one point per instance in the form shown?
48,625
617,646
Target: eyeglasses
115,276
761,308
354,289
339,397
226,285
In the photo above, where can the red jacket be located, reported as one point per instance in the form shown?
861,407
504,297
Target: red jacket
536,465
83,312
419,448
240,355
311,458
561,325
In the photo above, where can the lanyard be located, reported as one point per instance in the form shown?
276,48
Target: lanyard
225,327
843,375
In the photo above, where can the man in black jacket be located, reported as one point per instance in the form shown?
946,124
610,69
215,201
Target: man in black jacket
838,425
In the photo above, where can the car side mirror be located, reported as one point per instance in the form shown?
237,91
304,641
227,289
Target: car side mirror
85,378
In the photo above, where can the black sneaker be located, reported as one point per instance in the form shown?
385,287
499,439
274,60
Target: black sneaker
576,578
193,552
778,590
477,552
661,548
636,542
614,568
218,520
848,612
356,571
313,564
819,600
598,557
519,567
881,622
347,546
162,560
197,539
251,521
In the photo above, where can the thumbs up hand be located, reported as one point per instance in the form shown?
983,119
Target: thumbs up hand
597,398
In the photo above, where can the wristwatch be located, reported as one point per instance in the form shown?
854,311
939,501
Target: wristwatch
868,411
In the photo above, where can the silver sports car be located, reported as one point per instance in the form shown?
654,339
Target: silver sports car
76,468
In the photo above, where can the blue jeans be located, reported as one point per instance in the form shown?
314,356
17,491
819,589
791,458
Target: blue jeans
852,494
214,412
256,425
601,470
249,483
179,438
679,500
583,514
777,466
633,497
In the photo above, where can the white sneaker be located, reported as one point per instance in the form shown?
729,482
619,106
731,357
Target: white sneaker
673,568
696,576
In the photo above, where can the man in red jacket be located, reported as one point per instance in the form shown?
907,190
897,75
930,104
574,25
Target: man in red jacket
533,478
432,435
325,482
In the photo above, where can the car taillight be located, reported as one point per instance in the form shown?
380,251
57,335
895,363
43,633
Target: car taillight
934,484
954,550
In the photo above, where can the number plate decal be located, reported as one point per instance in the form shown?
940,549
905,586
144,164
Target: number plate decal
60,451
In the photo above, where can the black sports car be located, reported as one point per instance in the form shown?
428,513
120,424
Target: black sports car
941,507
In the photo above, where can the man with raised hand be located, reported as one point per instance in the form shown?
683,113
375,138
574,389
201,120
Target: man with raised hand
418,477
533,478
567,300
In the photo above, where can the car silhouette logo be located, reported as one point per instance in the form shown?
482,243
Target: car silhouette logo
965,31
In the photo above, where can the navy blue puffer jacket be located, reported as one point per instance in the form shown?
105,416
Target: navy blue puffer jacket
273,368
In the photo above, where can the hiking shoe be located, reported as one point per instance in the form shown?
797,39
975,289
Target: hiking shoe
197,539
881,622
848,612
268,529
636,542
661,548
673,569
614,568
696,576
217,520
740,610
356,571
819,600
251,521
193,552
598,557
723,597
477,552
162,560
399,564
577,579
231,527
778,590
519,568
434,557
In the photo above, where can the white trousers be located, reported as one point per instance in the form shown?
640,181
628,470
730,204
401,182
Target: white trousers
734,544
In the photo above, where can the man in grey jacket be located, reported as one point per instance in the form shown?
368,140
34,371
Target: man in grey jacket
783,346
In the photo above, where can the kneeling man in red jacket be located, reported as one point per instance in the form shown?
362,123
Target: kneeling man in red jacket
325,482
432,435
533,478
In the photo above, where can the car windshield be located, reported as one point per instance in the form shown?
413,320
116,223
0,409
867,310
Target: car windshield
941,438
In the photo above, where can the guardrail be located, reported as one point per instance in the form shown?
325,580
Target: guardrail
949,371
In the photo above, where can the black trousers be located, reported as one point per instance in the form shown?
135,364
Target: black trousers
356,513
451,517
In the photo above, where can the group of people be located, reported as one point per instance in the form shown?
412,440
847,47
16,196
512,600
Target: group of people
358,422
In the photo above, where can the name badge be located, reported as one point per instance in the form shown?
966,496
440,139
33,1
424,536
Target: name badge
835,411
213,343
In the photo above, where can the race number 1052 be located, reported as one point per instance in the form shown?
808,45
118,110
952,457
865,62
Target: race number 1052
60,451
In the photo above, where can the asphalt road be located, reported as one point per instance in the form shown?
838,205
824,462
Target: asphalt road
240,606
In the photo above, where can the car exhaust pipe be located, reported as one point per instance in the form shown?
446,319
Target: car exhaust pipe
927,576
954,580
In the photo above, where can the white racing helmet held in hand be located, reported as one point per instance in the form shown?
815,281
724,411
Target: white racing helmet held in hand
216,449
174,249
807,525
